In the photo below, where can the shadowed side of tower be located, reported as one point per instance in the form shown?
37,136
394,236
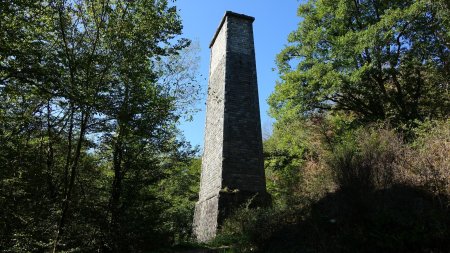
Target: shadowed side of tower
232,163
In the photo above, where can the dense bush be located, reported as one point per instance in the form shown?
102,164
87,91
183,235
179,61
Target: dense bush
429,159
249,229
295,166
366,160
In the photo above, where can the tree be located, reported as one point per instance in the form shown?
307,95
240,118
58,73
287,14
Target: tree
86,119
376,59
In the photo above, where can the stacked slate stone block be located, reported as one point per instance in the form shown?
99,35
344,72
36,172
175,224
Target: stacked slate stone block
232,163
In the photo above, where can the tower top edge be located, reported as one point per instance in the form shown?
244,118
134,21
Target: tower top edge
229,14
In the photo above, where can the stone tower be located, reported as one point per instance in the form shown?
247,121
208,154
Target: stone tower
232,163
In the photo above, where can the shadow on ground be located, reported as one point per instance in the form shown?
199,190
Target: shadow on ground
399,219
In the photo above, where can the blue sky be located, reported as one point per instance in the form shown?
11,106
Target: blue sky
274,20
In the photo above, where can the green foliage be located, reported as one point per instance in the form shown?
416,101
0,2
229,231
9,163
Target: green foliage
248,229
88,115
177,194
283,156
379,60
295,157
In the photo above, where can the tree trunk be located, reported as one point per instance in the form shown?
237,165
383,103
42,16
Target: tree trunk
71,183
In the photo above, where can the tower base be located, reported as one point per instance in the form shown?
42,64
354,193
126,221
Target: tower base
210,213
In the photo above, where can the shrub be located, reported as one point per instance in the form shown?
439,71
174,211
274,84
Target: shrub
429,160
366,159
249,229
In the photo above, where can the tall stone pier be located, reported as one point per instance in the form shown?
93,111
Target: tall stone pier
232,163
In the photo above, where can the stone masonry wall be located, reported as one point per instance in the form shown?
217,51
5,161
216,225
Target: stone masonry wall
207,207
211,176
243,165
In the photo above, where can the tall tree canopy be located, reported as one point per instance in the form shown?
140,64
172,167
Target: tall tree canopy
88,109
379,59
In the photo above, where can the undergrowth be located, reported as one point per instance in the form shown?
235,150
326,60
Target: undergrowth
370,191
